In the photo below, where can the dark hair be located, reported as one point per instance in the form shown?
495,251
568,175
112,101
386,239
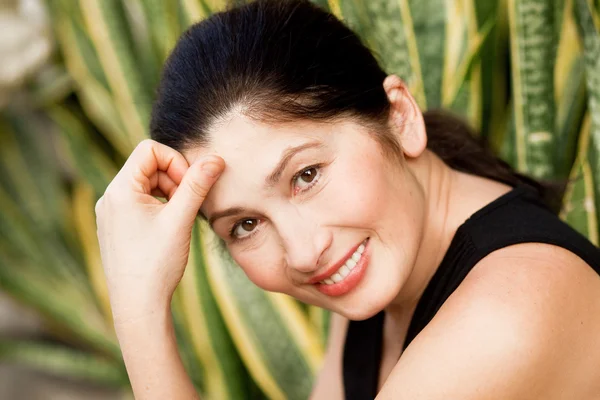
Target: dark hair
284,60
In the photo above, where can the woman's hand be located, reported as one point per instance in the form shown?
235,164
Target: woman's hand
145,243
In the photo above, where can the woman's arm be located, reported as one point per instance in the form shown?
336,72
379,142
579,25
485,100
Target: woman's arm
145,246
151,357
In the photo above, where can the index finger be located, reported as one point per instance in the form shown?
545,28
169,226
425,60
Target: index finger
146,160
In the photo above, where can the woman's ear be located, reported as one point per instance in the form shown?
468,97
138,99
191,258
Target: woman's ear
405,119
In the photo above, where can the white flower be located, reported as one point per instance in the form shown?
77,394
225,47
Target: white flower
25,42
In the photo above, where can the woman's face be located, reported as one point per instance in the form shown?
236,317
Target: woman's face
298,201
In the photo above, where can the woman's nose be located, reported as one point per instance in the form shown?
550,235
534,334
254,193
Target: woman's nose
305,244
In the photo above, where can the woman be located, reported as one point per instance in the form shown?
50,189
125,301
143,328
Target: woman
447,275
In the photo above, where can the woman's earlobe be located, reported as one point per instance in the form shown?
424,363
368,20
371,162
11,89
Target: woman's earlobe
414,138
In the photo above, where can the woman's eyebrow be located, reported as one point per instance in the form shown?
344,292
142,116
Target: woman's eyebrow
270,181
225,213
286,156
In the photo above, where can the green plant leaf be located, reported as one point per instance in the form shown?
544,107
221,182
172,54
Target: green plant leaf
106,24
64,362
163,18
591,47
224,376
579,204
280,349
533,53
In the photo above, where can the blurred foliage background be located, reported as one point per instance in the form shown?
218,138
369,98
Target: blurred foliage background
76,86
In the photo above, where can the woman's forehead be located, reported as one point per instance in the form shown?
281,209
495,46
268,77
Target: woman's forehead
240,139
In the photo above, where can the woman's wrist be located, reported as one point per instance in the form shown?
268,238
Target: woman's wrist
149,346
147,315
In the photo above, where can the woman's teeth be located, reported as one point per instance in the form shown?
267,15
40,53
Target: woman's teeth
346,268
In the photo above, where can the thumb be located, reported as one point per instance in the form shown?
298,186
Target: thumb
191,192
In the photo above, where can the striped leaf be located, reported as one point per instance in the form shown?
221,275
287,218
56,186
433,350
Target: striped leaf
147,51
193,11
493,73
163,18
35,217
579,204
579,209
354,13
84,200
594,7
569,83
71,311
320,319
84,155
106,25
396,43
190,360
68,13
587,17
224,373
29,171
533,52
52,86
459,31
92,85
45,254
461,85
335,7
37,263
274,338
215,5
388,29
429,24
64,362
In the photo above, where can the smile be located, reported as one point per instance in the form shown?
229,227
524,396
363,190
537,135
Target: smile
349,275
348,266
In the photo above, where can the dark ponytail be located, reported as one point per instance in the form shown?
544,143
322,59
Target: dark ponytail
286,60
453,140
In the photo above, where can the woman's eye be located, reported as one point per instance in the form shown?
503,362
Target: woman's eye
305,178
244,228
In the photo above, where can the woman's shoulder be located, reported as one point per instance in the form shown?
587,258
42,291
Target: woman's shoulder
523,324
533,287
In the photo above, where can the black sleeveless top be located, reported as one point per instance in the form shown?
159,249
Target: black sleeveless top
518,216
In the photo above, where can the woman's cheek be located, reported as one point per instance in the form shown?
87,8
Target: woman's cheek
263,269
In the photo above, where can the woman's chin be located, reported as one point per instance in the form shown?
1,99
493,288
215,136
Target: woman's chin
362,307
360,314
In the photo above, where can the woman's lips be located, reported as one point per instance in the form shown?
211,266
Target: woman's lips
351,280
334,268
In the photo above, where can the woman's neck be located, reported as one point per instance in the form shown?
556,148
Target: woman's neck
451,197
436,181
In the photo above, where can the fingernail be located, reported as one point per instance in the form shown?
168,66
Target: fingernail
211,169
